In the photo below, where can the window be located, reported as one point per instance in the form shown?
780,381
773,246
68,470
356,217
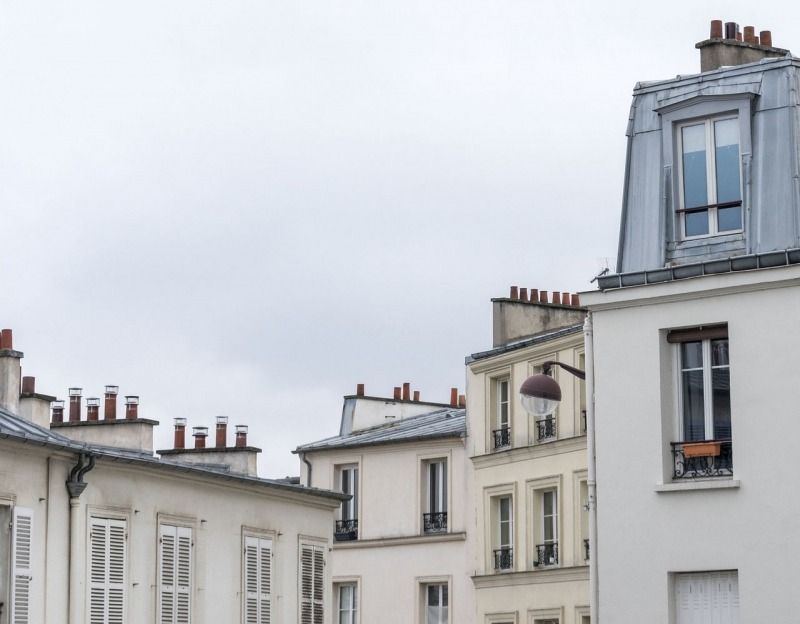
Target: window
706,597
504,533
312,584
347,598
547,550
175,574
501,433
583,489
582,393
435,519
347,526
21,564
436,604
257,580
107,566
710,177
704,402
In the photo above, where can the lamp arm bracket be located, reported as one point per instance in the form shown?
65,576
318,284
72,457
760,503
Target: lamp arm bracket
546,366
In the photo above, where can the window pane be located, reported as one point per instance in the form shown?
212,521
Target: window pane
726,139
695,182
445,597
433,595
721,378
693,406
547,503
503,391
719,352
443,505
729,218
696,223
691,355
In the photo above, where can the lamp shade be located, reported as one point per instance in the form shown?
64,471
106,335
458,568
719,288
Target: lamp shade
540,395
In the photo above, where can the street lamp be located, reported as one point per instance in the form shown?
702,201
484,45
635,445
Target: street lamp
540,394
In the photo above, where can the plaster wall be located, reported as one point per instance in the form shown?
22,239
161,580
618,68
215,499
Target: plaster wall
372,412
650,533
129,434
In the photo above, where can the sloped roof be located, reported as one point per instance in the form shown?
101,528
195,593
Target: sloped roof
443,423
521,343
23,431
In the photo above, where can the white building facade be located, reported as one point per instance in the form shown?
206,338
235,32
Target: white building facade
132,538
694,340
400,543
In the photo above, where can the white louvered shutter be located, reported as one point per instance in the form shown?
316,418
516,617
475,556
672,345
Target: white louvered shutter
258,580
175,567
22,547
312,584
107,563
707,597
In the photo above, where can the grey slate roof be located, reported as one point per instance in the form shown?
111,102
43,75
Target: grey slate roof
443,423
551,334
23,431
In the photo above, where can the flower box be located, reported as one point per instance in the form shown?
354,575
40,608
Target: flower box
701,449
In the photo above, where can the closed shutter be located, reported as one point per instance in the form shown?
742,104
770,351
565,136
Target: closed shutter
257,580
107,563
707,597
22,545
312,584
175,567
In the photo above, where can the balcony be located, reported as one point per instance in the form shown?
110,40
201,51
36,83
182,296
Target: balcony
502,438
586,550
435,522
546,429
546,555
346,530
504,559
702,460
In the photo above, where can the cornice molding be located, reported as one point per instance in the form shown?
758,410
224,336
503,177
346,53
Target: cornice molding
536,451
532,577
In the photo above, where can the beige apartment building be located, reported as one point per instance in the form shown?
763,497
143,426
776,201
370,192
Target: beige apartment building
96,529
529,540
400,543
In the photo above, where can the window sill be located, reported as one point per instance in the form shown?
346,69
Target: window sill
699,484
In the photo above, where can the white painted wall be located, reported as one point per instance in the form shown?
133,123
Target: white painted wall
646,534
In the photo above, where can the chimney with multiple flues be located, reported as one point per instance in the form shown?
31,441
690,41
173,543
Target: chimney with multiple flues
92,404
537,296
727,46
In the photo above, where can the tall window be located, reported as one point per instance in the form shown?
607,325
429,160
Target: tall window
107,565
436,604
347,525
504,534
705,390
257,580
436,517
348,603
711,194
502,414
312,584
175,574
547,550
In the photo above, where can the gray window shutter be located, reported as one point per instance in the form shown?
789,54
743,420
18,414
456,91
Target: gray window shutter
175,568
22,551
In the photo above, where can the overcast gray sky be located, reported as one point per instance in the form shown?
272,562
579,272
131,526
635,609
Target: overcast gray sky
246,208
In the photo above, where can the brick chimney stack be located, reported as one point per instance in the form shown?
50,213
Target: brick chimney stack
75,404
222,432
180,433
111,402
730,46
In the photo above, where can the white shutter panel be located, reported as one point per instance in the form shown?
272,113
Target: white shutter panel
107,562
183,610
166,566
306,584
707,597
22,553
319,585
257,580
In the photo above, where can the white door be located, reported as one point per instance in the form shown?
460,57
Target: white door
707,598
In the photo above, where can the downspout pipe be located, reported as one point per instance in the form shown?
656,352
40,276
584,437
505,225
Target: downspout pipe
75,486
308,465
591,480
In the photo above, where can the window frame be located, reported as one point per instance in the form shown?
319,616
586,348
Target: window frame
491,495
534,489
265,535
673,112
713,205
354,611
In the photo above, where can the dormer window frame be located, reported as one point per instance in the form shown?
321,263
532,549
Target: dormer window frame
695,110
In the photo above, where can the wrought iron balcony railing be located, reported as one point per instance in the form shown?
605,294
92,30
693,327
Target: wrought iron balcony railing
546,429
346,530
586,550
435,522
504,558
502,437
546,554
700,460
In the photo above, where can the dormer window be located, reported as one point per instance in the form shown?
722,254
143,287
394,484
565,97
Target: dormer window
710,177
